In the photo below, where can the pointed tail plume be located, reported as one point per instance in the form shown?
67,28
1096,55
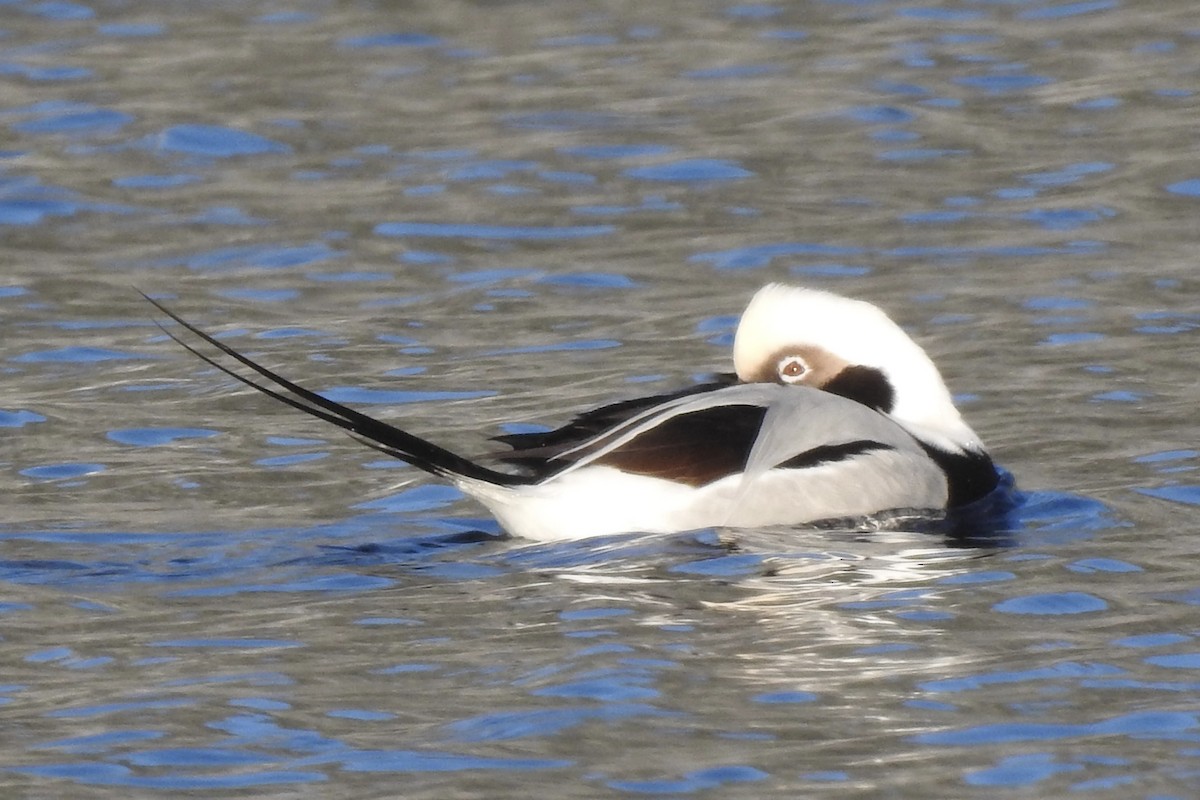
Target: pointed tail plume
372,432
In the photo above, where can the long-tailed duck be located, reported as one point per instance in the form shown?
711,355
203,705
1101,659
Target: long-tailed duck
833,412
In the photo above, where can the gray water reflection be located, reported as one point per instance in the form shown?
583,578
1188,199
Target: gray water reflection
477,217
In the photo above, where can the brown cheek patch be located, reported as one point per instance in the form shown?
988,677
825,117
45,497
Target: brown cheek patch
694,449
823,365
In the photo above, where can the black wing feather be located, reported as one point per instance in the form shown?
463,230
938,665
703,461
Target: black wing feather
542,453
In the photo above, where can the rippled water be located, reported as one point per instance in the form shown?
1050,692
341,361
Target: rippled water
475,216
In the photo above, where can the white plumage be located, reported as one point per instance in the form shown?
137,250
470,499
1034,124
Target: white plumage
861,334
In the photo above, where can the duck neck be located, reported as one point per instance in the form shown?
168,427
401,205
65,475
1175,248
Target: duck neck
970,473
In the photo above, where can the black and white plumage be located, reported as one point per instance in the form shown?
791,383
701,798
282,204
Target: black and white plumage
833,412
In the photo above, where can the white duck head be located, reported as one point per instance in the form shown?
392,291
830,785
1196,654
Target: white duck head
791,335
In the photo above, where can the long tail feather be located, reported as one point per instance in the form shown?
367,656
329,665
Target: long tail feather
372,432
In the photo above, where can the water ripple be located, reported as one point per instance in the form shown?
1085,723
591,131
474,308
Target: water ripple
216,141
503,232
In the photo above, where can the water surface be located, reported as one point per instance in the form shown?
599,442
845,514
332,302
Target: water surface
476,217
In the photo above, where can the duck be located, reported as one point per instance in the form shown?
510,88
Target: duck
832,412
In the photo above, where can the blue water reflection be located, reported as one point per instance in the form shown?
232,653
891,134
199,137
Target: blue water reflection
74,118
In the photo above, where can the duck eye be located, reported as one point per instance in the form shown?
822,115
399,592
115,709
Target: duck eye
792,369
